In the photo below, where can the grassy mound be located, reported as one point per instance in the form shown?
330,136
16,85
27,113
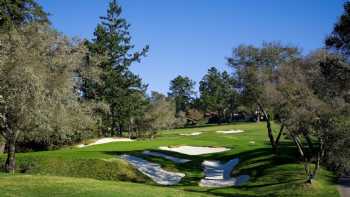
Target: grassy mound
101,169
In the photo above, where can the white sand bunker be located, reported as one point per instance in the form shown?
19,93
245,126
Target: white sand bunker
194,150
218,175
230,131
154,171
168,157
191,134
251,142
106,140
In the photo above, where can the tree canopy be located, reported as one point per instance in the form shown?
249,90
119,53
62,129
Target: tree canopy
182,90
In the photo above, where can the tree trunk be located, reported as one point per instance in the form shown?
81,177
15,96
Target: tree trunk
113,130
129,130
269,129
120,130
279,135
311,174
2,148
10,164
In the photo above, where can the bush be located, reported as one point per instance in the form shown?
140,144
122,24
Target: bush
194,116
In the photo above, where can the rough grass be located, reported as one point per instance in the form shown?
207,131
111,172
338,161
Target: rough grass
272,175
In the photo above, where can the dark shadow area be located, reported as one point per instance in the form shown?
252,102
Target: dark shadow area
344,182
255,163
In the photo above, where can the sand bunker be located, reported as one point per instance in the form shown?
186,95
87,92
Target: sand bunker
105,141
191,134
216,170
219,175
154,171
168,157
194,150
230,131
236,181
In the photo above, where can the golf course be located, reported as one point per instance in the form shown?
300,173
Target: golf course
174,98
98,171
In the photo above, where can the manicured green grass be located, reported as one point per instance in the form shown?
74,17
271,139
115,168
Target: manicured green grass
29,185
272,175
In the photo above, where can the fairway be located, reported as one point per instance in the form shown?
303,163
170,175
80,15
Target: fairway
174,98
98,171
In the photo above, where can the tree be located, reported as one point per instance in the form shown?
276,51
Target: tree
36,83
256,69
301,111
110,58
328,76
182,90
339,39
218,93
16,13
13,15
194,116
314,109
160,114
335,89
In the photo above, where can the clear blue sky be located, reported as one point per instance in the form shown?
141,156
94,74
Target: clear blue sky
188,36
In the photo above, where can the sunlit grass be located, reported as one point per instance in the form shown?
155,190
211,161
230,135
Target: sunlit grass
272,175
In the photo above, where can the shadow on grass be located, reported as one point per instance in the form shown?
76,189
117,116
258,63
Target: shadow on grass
212,125
270,173
262,158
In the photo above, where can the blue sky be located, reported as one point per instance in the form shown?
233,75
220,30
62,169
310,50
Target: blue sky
188,36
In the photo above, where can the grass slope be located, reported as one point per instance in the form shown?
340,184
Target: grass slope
29,185
272,175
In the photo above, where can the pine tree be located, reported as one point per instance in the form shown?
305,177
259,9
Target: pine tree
15,13
182,90
116,85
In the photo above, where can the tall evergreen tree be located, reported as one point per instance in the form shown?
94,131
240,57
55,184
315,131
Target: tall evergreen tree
218,93
116,85
182,90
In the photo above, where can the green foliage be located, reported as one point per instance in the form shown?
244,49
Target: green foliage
194,116
256,69
339,39
310,102
107,77
182,90
160,113
16,13
180,120
218,94
39,104
333,73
